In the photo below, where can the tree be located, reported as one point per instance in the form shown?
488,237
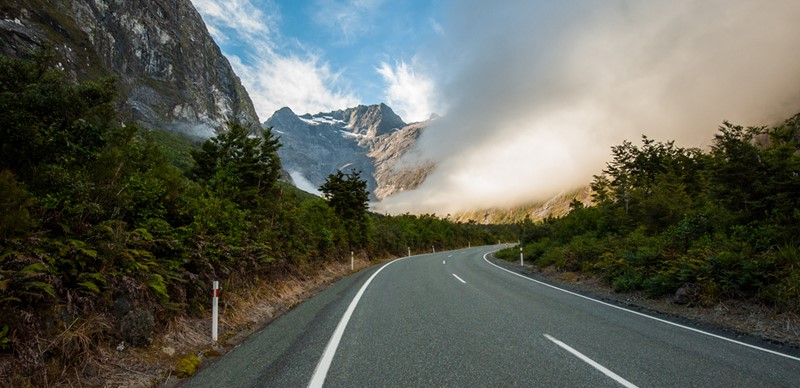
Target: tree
238,164
347,195
48,120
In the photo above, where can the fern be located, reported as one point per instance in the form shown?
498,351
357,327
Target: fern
90,286
5,342
158,286
40,286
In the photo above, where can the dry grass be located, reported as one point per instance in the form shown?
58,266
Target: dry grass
242,311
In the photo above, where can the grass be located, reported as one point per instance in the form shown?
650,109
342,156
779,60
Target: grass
243,310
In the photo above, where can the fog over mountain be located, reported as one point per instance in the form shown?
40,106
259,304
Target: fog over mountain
537,100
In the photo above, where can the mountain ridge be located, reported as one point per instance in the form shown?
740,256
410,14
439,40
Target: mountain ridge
368,138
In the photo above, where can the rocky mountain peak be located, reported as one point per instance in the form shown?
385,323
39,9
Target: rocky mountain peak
367,138
373,120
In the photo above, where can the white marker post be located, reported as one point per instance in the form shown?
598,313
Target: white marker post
215,311
521,263
434,248
409,251
469,244
352,263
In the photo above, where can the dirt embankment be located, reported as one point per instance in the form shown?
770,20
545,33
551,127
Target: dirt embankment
186,339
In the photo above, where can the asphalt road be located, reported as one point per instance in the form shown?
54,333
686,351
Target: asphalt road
455,319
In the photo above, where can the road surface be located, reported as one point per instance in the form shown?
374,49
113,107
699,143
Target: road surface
455,319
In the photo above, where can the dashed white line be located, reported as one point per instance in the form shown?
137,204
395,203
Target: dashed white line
321,371
443,262
460,279
591,362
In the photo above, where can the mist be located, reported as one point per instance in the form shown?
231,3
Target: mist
538,93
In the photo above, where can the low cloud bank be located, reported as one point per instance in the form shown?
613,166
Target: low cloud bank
539,92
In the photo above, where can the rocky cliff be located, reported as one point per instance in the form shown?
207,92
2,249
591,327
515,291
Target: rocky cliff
172,74
371,139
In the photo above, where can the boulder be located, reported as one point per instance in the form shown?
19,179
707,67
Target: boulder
136,327
686,294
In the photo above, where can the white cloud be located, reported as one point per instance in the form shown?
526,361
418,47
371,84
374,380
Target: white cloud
274,79
302,183
410,94
241,16
304,84
437,27
346,20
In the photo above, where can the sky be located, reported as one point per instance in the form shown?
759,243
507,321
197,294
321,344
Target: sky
532,94
317,56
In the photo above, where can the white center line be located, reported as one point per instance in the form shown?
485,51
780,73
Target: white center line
460,279
321,371
591,362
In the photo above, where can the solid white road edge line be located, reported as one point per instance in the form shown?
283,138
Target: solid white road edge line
644,315
321,371
460,279
591,362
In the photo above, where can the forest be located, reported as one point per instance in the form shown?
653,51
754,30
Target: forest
99,218
722,224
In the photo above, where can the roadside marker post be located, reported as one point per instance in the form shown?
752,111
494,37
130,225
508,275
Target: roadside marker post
352,263
215,311
409,251
434,248
521,262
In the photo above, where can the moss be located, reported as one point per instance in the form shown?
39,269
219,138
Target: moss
186,366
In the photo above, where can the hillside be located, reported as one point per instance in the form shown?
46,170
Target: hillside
170,72
556,206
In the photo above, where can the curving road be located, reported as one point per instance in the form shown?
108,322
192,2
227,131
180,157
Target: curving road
456,319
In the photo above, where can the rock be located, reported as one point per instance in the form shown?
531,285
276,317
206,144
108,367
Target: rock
136,328
121,308
171,72
686,294
371,139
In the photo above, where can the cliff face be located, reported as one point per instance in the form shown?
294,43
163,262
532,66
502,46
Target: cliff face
371,139
172,74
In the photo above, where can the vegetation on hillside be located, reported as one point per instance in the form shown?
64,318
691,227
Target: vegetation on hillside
104,226
722,224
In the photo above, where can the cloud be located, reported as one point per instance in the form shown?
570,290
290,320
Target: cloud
346,20
239,16
540,91
305,84
302,183
273,75
409,93
437,27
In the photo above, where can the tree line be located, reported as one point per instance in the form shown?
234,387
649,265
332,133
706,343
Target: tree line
722,223
95,214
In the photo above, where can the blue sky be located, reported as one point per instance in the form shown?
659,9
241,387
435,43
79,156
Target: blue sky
323,55
532,93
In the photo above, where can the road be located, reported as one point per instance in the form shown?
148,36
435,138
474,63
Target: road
455,319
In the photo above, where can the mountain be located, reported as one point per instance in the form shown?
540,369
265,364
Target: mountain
557,206
371,139
171,73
